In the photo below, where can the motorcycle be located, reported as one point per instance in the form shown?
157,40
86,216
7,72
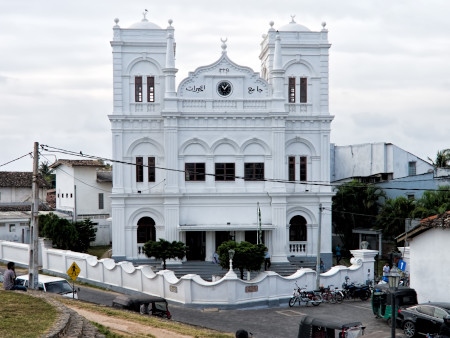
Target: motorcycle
304,297
353,291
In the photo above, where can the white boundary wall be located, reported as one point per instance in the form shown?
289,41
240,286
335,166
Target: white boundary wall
268,288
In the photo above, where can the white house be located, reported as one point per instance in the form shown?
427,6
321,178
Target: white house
83,190
16,197
429,258
195,161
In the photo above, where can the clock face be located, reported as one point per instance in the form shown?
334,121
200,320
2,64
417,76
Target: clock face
224,88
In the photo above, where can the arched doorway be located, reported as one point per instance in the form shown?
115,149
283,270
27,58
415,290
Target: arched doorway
297,229
146,230
297,236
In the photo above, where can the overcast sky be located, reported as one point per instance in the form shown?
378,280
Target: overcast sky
389,66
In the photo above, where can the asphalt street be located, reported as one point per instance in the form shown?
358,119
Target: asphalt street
274,322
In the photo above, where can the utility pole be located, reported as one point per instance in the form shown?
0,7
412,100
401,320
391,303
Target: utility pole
34,231
319,230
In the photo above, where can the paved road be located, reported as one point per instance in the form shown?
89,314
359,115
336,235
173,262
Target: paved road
282,322
275,322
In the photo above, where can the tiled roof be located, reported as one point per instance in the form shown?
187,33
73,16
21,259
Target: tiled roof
20,179
42,207
77,163
437,221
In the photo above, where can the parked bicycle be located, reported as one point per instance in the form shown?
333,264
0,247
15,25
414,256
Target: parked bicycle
331,295
304,297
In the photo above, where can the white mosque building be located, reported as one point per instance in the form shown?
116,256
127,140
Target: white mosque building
195,163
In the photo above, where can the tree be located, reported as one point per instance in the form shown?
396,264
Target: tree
442,159
165,250
47,173
355,205
62,232
86,235
393,214
66,235
246,256
433,203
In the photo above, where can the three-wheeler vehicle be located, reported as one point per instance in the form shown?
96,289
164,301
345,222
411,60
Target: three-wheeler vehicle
329,327
144,304
382,297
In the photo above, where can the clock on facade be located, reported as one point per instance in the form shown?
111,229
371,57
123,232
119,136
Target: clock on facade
224,88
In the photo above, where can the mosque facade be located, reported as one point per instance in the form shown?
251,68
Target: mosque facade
228,153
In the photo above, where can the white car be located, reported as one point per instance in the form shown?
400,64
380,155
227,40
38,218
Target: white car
51,284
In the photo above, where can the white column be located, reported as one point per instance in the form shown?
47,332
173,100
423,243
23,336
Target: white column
278,240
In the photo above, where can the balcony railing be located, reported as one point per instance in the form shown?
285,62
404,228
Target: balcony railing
297,248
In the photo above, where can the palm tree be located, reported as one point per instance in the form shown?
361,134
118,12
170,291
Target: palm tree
442,159
393,214
47,173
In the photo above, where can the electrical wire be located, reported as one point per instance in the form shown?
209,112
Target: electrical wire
27,154
313,183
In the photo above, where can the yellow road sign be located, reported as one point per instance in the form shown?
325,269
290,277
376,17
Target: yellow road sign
74,271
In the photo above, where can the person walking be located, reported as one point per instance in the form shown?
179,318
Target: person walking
386,271
267,262
338,254
9,279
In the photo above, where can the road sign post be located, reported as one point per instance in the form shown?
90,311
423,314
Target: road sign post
73,273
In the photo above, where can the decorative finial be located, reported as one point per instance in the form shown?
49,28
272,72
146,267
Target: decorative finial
170,22
224,45
292,18
145,15
271,23
324,24
116,20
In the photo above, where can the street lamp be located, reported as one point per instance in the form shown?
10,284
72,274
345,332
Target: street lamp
394,279
231,255
230,274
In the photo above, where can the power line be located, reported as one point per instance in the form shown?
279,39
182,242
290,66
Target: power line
28,154
315,183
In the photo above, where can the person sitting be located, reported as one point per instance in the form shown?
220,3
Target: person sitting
9,279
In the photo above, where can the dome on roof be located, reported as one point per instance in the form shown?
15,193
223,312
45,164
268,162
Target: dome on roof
144,24
294,27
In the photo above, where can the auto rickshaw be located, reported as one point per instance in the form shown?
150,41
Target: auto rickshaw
329,327
382,300
144,304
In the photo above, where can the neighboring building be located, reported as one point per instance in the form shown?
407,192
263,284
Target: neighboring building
16,198
374,163
83,189
396,171
194,162
429,257
16,188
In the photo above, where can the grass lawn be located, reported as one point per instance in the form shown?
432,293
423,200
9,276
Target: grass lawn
22,315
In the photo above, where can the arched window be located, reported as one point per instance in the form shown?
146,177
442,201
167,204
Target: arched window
297,229
146,230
